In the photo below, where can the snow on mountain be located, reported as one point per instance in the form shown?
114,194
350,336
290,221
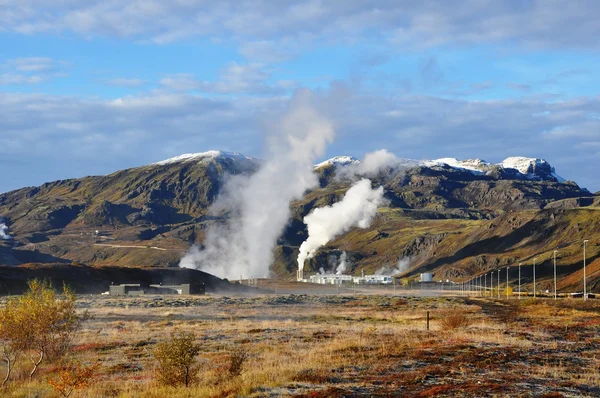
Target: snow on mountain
477,166
530,167
523,167
205,155
338,161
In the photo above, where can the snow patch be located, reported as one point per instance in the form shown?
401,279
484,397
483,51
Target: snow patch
187,157
338,161
523,165
528,168
477,166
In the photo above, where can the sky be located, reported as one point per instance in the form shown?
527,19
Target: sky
90,87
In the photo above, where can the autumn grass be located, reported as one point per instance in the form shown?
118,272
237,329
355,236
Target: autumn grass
323,346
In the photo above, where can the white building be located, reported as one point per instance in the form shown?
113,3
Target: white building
330,279
373,280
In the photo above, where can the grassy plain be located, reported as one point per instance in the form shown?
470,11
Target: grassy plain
339,345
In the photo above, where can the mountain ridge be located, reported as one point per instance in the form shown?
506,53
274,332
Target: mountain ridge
150,215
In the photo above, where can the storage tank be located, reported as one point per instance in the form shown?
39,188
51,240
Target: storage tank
426,277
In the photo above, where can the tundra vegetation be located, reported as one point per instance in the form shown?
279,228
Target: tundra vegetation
177,359
369,343
38,325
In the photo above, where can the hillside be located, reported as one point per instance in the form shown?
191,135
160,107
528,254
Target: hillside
451,217
96,280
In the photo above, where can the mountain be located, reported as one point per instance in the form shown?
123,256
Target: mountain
447,216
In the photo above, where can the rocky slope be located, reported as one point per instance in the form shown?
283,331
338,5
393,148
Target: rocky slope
448,216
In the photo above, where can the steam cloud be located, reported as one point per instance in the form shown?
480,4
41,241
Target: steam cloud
357,208
370,166
343,265
258,205
403,265
4,232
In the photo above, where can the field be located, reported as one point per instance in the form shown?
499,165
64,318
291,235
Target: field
330,344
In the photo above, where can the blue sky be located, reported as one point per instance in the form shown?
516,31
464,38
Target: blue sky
89,87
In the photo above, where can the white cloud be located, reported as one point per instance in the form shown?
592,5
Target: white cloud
32,64
15,78
124,82
32,70
91,136
265,27
268,50
235,78
181,82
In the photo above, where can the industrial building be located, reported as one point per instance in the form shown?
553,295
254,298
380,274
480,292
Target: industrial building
332,279
136,289
426,277
373,280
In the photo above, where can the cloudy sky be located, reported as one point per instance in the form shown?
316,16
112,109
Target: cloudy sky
90,87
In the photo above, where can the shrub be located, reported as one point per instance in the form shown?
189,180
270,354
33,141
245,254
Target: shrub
177,359
455,320
236,362
39,323
71,377
10,339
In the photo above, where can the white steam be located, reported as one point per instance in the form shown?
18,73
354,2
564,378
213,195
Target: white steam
259,205
373,164
403,265
4,232
343,265
357,208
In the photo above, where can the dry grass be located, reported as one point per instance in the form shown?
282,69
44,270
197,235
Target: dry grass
315,346
456,320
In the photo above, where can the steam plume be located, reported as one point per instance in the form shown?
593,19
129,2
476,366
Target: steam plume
372,164
258,205
358,208
403,265
343,265
4,232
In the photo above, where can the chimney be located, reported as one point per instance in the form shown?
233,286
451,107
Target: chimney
300,275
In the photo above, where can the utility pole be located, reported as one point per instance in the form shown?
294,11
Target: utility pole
491,283
485,285
481,288
519,281
507,282
555,251
498,283
584,276
534,293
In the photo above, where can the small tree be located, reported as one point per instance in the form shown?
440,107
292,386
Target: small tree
39,323
177,359
72,376
13,342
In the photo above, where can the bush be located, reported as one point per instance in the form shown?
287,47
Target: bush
71,377
177,359
10,339
236,362
455,320
39,323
